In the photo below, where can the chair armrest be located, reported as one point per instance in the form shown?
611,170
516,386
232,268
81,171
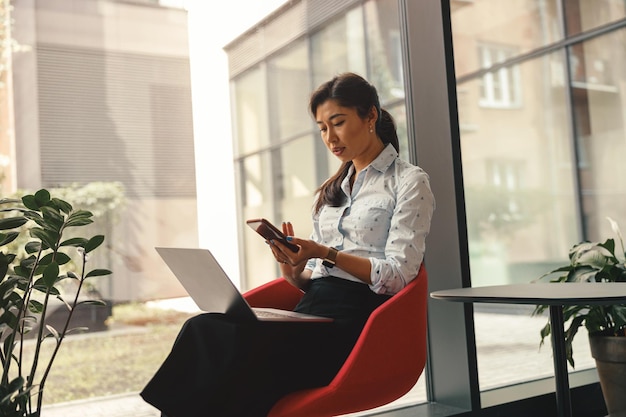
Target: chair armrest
277,293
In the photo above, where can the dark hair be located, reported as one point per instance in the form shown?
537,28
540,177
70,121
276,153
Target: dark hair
350,90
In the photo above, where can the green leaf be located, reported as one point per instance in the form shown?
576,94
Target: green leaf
619,316
77,330
21,271
9,201
98,272
12,222
30,202
40,285
8,237
545,332
53,218
44,235
75,241
93,243
35,307
62,258
42,197
36,217
62,205
67,305
92,302
79,218
50,274
46,259
32,246
53,332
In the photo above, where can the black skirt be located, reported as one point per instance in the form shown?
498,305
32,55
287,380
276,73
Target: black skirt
222,367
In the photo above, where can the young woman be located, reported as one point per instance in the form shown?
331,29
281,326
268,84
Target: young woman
370,222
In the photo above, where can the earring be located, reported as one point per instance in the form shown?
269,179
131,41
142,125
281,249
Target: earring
371,129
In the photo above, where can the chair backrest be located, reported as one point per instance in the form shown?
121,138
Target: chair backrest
384,364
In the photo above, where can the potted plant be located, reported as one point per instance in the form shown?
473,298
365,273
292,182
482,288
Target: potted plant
606,324
36,259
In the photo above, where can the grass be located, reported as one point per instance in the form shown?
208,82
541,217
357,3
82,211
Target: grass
117,361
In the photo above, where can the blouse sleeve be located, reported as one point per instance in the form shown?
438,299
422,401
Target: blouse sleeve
410,224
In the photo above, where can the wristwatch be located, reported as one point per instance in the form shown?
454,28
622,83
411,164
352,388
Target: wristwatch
330,259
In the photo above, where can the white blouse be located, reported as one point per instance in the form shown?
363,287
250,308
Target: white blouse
386,218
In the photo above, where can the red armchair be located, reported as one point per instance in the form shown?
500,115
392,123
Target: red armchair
385,363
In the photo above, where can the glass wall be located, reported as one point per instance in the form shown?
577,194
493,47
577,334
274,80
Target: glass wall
541,117
598,89
278,178
584,15
96,107
542,126
363,39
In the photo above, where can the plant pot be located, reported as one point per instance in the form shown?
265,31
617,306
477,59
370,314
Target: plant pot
610,355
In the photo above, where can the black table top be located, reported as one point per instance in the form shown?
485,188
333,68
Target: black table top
540,293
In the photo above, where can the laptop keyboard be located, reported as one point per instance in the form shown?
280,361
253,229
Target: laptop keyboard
265,314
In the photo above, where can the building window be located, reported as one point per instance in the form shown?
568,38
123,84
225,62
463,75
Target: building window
500,88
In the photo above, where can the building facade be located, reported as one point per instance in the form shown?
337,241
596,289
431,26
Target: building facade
101,93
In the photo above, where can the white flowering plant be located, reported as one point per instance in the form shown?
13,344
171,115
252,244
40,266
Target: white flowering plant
30,278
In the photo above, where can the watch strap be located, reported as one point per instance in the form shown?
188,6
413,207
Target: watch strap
331,258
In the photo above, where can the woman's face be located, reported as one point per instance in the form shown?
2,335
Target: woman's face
346,134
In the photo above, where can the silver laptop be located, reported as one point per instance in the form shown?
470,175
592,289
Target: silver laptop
211,289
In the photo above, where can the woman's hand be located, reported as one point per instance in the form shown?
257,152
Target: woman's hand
292,263
307,249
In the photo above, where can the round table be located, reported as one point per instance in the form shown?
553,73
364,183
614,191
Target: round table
554,295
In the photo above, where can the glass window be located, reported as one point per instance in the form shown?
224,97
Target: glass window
107,126
250,115
384,48
598,78
339,47
288,76
255,173
583,15
519,177
256,200
521,204
524,25
299,182
501,87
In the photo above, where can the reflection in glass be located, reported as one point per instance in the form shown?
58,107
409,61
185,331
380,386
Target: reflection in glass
256,199
500,88
250,115
256,177
521,205
339,47
288,75
298,183
385,51
523,25
599,101
583,15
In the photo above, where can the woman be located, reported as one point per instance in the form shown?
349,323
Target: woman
370,222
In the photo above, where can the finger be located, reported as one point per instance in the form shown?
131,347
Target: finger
290,229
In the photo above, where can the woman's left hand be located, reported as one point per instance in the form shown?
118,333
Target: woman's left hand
307,248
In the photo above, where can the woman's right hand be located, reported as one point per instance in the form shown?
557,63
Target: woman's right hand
294,273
